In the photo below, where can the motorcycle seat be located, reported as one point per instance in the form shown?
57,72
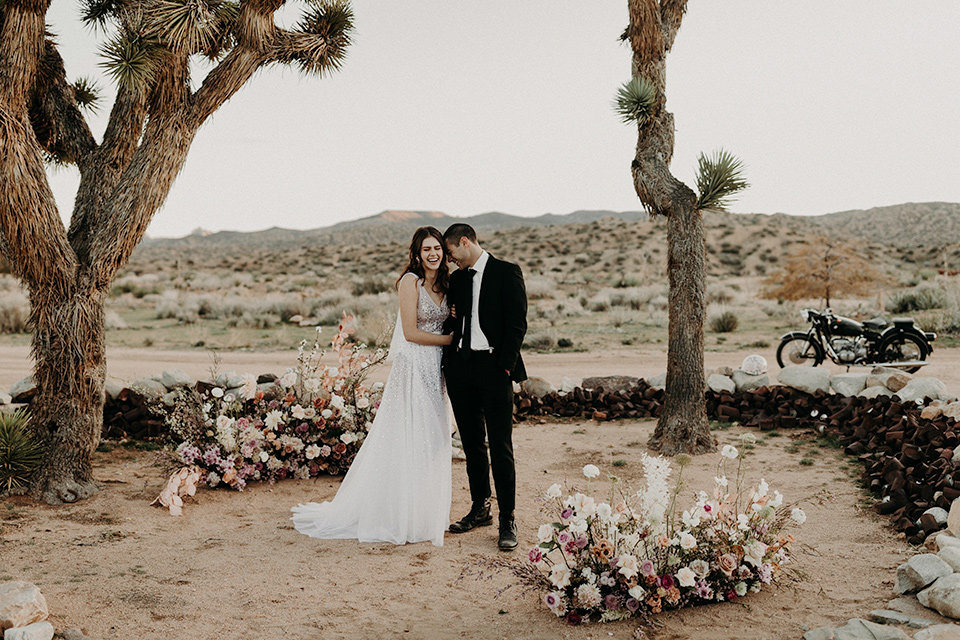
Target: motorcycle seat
876,324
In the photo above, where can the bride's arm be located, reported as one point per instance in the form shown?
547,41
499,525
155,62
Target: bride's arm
408,316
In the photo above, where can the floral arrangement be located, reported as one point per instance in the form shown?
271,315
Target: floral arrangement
614,560
310,421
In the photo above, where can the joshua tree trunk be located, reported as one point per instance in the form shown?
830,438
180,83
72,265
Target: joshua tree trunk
124,178
683,423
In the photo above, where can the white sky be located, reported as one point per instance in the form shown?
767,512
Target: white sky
468,107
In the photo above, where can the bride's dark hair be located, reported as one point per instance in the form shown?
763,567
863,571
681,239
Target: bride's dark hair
415,265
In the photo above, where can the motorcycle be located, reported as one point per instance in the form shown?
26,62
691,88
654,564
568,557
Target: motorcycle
846,342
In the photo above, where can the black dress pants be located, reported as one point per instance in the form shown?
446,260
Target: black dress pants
482,398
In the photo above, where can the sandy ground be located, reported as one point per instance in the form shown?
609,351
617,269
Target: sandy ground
233,567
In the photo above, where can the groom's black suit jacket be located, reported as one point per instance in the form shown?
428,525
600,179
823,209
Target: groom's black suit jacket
502,309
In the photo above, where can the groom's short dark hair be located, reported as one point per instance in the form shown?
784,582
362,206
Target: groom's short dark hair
459,230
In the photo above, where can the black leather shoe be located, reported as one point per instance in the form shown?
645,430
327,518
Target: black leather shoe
479,516
508,534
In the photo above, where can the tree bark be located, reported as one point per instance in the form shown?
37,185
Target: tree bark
683,426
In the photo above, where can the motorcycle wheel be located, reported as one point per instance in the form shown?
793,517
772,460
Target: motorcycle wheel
799,352
902,347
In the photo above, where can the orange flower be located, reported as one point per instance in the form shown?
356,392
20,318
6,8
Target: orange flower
673,595
603,549
654,604
290,398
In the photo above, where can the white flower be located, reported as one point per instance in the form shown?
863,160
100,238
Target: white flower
264,456
741,588
229,398
700,567
753,552
584,505
273,419
729,451
298,412
589,575
560,576
216,392
289,379
690,519
336,402
347,437
748,438
326,413
798,516
755,587
363,403
686,577
312,452
545,533
637,592
777,500
312,384
554,491
377,386
743,522
591,471
762,489
248,390
721,481
604,512
588,596
332,371
627,565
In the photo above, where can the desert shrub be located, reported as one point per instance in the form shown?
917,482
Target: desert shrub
619,317
138,286
599,302
564,343
372,286
719,295
540,287
184,309
725,322
540,341
113,320
20,453
256,320
14,313
947,322
919,299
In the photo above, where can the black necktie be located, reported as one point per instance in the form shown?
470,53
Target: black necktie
468,312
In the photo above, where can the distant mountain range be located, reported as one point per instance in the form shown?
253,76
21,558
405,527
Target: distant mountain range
925,225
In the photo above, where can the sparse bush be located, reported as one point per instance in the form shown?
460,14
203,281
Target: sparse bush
540,287
719,295
620,317
254,321
14,313
541,341
919,299
138,286
564,343
726,322
113,320
371,286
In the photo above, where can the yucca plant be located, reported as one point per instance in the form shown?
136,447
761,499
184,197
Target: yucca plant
20,454
635,100
718,178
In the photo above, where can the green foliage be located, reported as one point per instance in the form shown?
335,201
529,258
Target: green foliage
331,24
635,100
132,60
726,322
20,454
718,178
88,94
919,299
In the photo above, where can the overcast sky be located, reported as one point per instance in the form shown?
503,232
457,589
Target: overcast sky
468,107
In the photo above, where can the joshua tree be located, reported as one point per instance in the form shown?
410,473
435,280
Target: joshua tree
124,178
653,27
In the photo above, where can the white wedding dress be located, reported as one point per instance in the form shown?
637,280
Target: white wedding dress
398,487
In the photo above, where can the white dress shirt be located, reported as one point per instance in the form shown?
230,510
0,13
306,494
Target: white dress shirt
478,341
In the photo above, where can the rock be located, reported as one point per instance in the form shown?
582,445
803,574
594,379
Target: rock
892,379
173,378
267,378
23,390
537,387
943,595
720,384
567,385
658,381
5,398
848,384
21,604
36,631
112,388
939,632
149,388
457,454
748,382
939,515
754,365
297,319
874,391
610,384
809,379
724,371
310,322
860,629
945,539
920,571
951,555
908,605
951,410
820,633
222,377
953,518
887,616
920,388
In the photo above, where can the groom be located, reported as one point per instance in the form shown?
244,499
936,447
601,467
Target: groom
480,366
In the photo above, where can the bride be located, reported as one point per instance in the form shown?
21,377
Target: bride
398,487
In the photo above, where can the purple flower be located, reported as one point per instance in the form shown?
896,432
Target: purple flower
633,604
732,594
574,618
704,590
303,427
536,555
666,581
564,537
765,573
314,469
551,600
612,602
613,562
581,541
646,567
566,514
